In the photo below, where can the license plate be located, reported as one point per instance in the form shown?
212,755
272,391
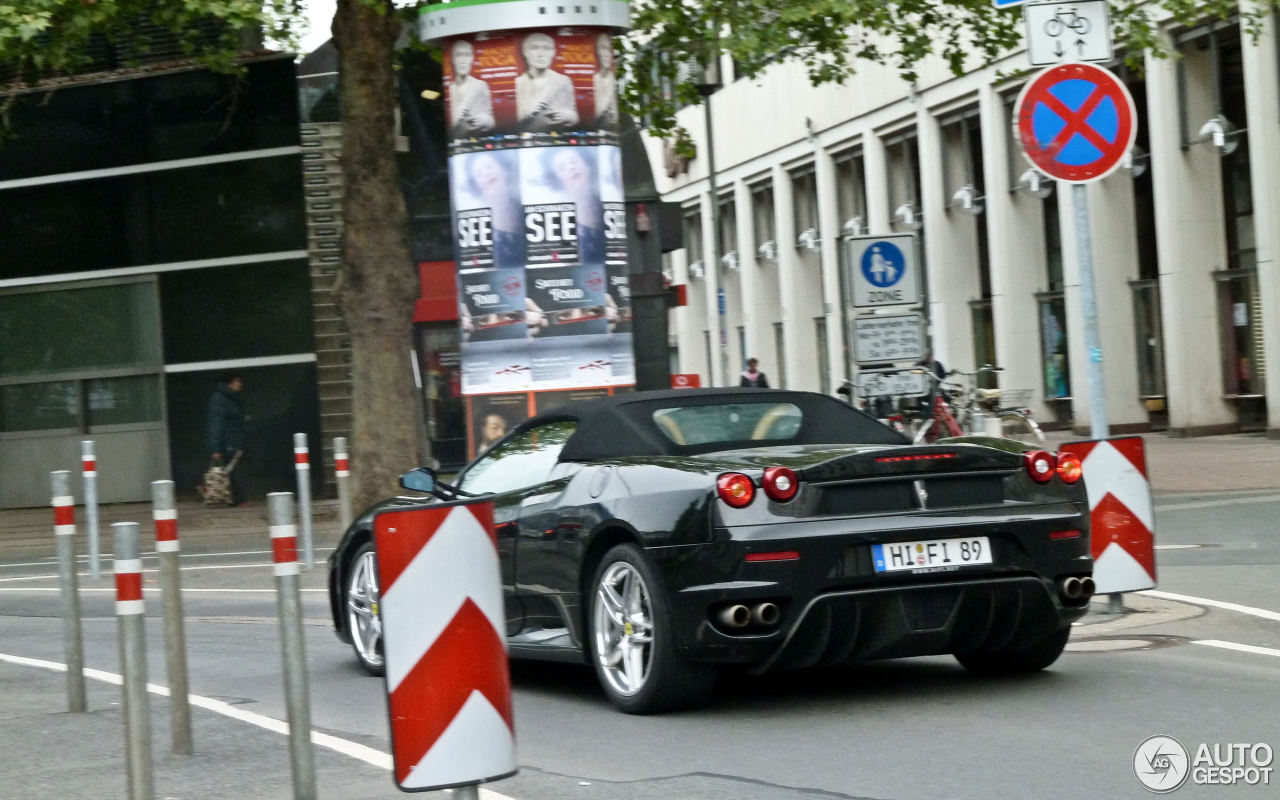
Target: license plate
936,555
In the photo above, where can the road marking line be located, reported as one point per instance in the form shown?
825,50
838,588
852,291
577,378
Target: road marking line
1266,498
268,565
1243,648
360,752
153,589
1204,601
151,554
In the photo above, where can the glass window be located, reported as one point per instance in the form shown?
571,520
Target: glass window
730,422
779,346
1053,345
762,212
122,401
1240,314
40,406
903,165
728,225
1053,242
804,200
1150,341
522,461
70,330
693,234
851,193
824,377
984,340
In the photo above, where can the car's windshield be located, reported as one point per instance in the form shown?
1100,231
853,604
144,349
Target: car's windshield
729,422
523,460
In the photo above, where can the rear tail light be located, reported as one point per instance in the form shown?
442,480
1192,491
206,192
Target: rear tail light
780,484
1040,465
736,489
1069,467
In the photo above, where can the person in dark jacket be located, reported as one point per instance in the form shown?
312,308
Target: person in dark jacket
753,377
225,430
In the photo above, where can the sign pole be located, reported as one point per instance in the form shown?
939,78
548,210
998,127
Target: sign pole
1099,426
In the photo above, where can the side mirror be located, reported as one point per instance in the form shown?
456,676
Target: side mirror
422,479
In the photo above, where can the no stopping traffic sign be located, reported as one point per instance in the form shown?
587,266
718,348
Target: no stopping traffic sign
1076,122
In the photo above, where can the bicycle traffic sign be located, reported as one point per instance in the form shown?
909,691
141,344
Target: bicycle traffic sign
882,271
1076,122
1061,32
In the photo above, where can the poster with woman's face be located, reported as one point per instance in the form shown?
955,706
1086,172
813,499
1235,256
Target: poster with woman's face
614,211
488,219
564,221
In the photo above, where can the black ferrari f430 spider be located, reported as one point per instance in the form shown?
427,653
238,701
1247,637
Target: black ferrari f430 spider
665,536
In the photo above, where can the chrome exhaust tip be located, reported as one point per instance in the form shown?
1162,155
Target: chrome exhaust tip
734,616
1087,588
1070,588
766,614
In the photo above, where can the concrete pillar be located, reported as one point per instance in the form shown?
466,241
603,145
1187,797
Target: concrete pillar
1191,242
1019,267
749,278
788,266
1262,95
876,165
950,253
832,308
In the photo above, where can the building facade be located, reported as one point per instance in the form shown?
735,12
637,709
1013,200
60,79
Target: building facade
1184,236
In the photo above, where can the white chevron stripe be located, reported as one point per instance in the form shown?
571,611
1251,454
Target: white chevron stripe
458,562
1107,471
1115,570
476,745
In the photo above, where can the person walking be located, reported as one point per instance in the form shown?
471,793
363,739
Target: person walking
225,430
753,377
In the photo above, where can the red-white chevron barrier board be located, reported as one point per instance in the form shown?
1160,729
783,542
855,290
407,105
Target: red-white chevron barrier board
1123,522
443,636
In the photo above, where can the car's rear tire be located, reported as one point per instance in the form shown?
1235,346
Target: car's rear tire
1016,660
361,595
631,641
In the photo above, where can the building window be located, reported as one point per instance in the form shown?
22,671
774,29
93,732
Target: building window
1239,316
779,349
693,236
903,166
1149,337
820,332
804,207
728,241
851,193
984,340
1053,345
763,221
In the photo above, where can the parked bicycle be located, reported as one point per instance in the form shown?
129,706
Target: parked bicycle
963,409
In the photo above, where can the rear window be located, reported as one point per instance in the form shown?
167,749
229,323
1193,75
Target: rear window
729,422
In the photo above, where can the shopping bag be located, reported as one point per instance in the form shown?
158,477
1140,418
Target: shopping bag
215,486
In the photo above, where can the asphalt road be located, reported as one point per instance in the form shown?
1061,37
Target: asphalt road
904,730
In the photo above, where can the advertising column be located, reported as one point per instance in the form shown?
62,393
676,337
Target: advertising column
538,207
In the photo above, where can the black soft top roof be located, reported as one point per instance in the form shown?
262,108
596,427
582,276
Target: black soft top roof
622,425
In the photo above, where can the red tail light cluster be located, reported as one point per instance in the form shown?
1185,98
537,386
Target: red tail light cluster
737,490
1042,466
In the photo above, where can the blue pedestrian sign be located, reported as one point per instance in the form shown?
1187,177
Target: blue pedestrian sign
882,271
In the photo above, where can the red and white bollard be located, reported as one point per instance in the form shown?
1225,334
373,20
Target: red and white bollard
165,513
89,470
302,465
284,549
64,529
130,616
342,472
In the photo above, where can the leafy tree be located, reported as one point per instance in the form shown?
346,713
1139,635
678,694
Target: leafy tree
45,40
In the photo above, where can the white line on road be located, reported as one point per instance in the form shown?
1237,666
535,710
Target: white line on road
185,590
355,750
145,571
1204,601
1266,498
1243,648
151,554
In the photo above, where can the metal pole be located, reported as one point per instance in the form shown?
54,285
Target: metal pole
89,464
64,529
1099,424
130,616
342,471
284,546
713,258
165,513
469,792
302,465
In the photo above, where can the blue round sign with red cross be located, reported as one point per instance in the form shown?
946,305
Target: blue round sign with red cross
1076,122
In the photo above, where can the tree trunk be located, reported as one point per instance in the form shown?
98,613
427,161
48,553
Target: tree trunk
377,284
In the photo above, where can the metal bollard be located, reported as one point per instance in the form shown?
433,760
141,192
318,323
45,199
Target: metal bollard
284,548
343,473
64,529
130,616
302,465
89,465
165,513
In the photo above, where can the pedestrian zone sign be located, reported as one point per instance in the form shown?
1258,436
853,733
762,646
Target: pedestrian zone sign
883,271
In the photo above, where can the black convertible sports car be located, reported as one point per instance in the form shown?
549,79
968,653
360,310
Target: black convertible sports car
662,536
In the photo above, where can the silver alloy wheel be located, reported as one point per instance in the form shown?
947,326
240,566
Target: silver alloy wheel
363,621
623,628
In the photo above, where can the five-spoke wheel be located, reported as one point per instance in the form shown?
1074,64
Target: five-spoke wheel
363,622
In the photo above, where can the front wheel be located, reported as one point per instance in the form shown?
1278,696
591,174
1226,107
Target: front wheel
363,622
1016,660
632,644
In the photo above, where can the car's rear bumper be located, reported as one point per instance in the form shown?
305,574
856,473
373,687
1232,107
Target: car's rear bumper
835,608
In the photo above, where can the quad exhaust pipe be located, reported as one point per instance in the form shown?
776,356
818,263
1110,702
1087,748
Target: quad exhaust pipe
737,616
1077,589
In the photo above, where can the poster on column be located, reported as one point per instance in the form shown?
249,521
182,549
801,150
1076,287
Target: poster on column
618,286
480,74
492,415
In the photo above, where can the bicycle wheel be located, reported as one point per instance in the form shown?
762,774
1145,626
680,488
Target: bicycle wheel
1020,427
